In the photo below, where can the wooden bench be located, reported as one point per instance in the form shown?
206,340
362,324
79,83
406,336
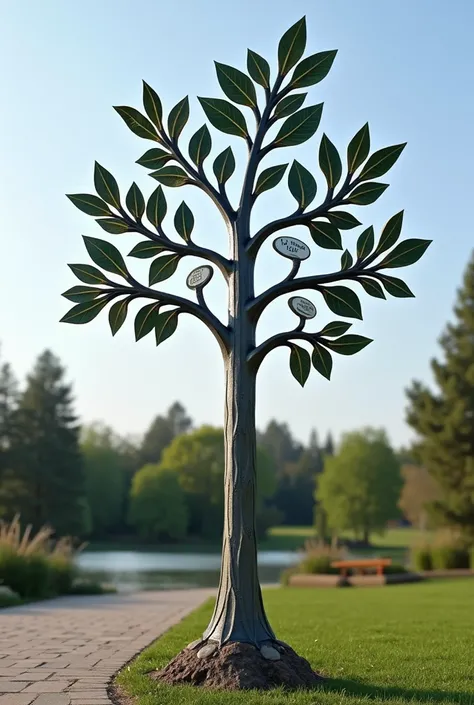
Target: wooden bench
361,565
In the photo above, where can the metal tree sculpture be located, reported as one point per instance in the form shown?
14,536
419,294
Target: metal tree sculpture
239,613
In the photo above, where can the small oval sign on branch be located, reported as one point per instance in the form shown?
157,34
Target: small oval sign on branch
291,247
302,307
199,277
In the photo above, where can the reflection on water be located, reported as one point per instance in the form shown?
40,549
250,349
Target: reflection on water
136,570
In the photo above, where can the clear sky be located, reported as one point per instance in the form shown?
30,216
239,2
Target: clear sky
404,66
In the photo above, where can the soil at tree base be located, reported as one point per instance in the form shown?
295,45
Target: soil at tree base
238,666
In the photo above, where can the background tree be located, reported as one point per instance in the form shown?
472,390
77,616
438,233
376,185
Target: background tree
444,420
12,491
419,491
320,515
239,614
162,431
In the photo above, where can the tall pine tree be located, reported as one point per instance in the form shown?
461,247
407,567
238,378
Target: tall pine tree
12,491
444,419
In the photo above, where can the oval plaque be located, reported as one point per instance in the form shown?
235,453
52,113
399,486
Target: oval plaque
291,247
199,277
302,307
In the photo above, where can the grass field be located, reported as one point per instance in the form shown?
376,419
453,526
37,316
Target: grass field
403,644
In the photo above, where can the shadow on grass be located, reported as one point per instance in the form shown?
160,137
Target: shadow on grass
373,692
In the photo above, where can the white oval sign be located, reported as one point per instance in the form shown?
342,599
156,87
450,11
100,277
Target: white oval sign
291,247
199,277
302,307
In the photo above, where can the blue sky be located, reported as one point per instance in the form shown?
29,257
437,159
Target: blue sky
404,66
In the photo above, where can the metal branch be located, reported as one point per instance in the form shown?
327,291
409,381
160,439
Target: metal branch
258,354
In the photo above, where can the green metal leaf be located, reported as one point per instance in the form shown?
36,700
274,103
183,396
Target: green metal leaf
146,249
184,221
313,69
135,202
346,260
330,162
390,233
137,123
178,118
406,253
365,243
289,105
118,314
236,85
367,193
79,294
325,235
302,184
200,145
171,176
348,344
269,178
358,149
291,46
90,204
380,162
372,287
88,274
396,287
154,158
322,360
116,226
145,320
85,312
299,127
335,328
342,301
156,207
343,220
300,363
152,105
162,268
106,186
165,325
224,116
106,256
224,165
258,68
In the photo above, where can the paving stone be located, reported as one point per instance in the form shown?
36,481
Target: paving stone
16,699
10,686
52,699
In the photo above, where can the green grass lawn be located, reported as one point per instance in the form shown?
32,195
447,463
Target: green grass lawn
403,644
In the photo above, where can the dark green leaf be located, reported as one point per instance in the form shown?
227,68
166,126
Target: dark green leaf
313,69
291,46
184,221
178,118
372,287
302,184
330,162
289,105
406,253
299,127
152,105
367,193
335,328
106,256
106,186
380,162
171,176
396,287
358,149
346,260
145,320
224,116
165,325
236,85
135,201
137,123
322,361
390,233
365,243
90,204
325,235
200,145
300,363
116,226
156,207
269,178
154,159
342,301
348,344
343,220
85,312
79,294
258,68
146,249
224,165
88,274
118,314
162,268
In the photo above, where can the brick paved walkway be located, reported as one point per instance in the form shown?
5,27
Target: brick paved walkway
65,651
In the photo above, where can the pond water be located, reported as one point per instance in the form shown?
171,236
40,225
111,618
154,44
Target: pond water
155,570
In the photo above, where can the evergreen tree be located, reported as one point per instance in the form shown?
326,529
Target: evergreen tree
320,515
12,490
444,419
162,431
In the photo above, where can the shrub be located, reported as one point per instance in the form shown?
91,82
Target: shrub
84,586
314,564
449,558
28,575
421,558
394,569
